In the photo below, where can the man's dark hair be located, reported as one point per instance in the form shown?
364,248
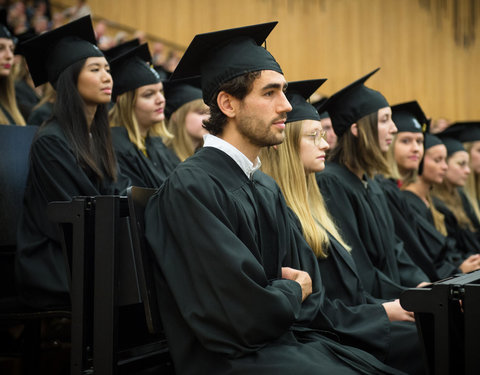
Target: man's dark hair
239,87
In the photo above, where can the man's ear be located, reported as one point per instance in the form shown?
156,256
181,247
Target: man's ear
225,103
354,129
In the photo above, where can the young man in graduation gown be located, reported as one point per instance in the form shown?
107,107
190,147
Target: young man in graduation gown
237,283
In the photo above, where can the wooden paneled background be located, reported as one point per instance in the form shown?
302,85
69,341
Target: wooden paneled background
428,50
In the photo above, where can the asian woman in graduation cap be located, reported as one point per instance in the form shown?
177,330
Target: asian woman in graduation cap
429,223
380,327
137,120
71,155
9,111
361,118
436,251
186,112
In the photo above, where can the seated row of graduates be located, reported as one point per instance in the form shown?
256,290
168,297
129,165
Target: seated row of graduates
370,240
85,149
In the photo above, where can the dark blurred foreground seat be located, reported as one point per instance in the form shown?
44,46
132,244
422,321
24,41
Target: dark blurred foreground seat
15,317
447,314
116,327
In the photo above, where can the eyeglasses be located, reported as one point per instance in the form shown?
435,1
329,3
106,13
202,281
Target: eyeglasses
317,136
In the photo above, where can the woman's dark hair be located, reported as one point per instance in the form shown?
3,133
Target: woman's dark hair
238,87
95,153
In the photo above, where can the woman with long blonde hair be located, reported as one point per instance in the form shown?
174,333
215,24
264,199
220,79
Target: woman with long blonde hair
361,118
382,328
138,120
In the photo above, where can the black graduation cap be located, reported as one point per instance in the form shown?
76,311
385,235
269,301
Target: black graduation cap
50,53
409,117
22,37
451,138
180,92
318,105
132,70
223,55
5,33
467,131
431,140
352,103
120,49
453,145
297,94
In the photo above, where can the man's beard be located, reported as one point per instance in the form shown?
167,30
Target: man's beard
260,133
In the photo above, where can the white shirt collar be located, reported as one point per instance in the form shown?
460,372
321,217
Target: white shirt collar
243,162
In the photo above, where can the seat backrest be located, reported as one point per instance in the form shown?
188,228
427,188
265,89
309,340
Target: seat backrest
15,142
137,201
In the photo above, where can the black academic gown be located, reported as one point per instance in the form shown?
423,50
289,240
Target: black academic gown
41,114
54,175
26,98
143,171
466,240
408,230
441,249
220,240
360,319
361,212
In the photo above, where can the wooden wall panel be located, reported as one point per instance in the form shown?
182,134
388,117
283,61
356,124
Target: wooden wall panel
337,39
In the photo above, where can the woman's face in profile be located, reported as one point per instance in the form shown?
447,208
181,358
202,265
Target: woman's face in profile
435,164
313,146
458,168
95,82
475,157
150,105
6,56
386,128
